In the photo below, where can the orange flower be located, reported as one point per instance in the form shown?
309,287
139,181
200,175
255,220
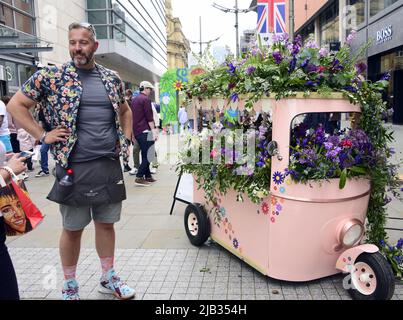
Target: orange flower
178,85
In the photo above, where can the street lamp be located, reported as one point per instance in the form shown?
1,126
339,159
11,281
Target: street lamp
200,42
237,11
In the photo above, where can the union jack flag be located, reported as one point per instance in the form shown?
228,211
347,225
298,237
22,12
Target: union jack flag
271,16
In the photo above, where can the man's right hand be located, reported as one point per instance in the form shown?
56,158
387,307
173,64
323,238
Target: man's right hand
155,134
60,134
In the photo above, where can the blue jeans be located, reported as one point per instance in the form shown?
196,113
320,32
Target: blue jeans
7,143
145,142
44,157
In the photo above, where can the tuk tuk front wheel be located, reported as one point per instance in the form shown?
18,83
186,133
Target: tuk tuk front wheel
197,224
372,278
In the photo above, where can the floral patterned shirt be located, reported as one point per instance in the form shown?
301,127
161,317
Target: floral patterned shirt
59,90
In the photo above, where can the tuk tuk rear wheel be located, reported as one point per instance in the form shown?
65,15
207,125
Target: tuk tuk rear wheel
197,224
372,278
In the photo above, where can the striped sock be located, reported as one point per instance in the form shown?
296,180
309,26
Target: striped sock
107,264
69,272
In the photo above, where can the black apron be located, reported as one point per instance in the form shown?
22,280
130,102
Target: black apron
96,182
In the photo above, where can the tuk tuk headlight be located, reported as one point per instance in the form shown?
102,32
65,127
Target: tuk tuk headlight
351,233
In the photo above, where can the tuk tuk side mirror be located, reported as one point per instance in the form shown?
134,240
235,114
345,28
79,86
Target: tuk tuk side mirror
272,149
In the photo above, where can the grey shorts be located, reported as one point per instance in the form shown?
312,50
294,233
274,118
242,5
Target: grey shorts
77,218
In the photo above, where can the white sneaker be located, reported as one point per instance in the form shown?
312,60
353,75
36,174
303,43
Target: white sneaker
133,172
24,176
153,170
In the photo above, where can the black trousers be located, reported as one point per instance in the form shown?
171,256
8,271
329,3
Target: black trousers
15,143
145,143
8,279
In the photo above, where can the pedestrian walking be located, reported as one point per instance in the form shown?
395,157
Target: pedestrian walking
44,172
8,279
145,132
11,127
89,179
27,143
183,118
4,131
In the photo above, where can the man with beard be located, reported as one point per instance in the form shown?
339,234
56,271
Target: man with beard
91,123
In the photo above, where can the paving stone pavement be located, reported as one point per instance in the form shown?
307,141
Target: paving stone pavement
208,273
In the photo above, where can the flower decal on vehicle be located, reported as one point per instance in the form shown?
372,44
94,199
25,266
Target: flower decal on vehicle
223,212
235,243
265,207
278,178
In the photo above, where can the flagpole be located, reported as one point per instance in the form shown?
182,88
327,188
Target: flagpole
236,28
291,17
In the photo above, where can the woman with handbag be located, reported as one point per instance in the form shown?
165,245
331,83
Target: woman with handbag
8,279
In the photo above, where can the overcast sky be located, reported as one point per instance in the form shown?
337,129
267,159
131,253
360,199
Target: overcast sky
215,23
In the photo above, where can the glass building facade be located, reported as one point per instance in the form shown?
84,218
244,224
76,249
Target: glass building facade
138,25
378,22
18,43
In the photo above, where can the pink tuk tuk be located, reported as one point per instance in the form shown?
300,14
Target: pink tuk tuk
300,232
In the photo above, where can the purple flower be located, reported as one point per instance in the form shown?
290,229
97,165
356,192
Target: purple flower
277,38
333,154
312,68
351,37
311,44
305,63
277,57
323,52
250,70
360,67
382,243
398,259
293,64
232,68
328,146
235,243
386,77
311,83
336,66
350,89
400,244
234,97
335,140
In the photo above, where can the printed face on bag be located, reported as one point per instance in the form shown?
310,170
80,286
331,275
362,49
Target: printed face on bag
14,215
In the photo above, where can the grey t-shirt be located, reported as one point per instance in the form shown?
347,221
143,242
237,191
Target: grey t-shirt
96,129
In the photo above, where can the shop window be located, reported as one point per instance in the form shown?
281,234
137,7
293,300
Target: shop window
357,8
96,4
6,16
329,24
97,17
25,72
24,23
102,32
24,5
379,5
